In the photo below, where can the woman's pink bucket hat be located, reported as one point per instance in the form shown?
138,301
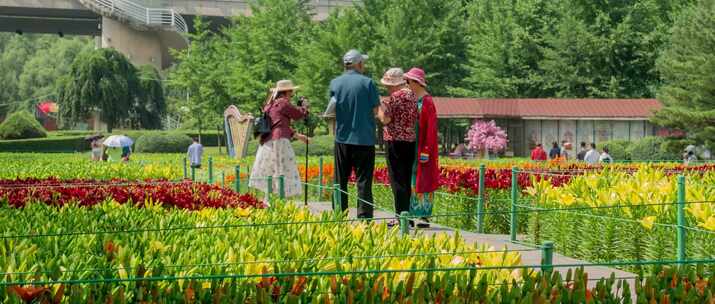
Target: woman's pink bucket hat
418,75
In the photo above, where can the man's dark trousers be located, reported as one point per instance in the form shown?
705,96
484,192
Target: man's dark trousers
362,159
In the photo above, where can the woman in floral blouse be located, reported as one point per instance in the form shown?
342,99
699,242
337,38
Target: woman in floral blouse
399,118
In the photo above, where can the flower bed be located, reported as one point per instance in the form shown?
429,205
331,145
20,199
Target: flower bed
242,243
152,255
625,215
80,168
185,194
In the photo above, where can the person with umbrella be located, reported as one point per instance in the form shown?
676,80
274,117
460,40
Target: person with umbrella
96,144
120,141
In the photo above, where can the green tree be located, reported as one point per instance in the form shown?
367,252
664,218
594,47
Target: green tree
264,49
40,74
31,65
240,65
504,48
422,33
571,65
150,106
100,80
319,59
394,33
687,67
607,49
16,51
201,76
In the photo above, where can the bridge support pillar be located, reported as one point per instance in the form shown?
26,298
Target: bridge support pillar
141,47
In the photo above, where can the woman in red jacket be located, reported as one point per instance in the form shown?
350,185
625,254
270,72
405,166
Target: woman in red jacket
425,176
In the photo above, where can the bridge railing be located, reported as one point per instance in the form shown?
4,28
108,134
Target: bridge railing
137,13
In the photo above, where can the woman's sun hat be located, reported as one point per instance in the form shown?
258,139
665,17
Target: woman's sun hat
393,77
418,75
285,85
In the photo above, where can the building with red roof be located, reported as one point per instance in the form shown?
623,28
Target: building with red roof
548,120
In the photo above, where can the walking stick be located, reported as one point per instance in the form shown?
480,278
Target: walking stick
305,186
307,143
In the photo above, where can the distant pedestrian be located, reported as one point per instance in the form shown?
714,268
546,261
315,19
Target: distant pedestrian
555,151
126,151
399,117
356,104
690,158
565,146
538,153
97,149
592,155
426,172
582,152
105,154
194,153
605,157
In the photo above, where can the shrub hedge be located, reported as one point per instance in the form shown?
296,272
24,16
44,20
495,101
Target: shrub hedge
651,148
50,144
618,149
21,125
162,143
73,140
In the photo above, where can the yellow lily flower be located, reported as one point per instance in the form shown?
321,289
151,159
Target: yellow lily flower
648,222
709,224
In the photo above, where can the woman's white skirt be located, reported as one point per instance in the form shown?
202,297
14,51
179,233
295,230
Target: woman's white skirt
276,158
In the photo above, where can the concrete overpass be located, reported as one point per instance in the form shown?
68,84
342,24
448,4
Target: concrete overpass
142,44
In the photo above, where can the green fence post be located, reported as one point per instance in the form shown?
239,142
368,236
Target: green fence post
282,187
320,178
547,256
337,202
211,170
223,179
404,226
681,219
193,174
186,171
480,200
514,199
269,186
238,178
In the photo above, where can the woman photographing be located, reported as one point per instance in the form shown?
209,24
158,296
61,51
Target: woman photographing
275,156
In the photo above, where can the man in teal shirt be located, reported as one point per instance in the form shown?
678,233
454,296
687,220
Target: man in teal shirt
356,103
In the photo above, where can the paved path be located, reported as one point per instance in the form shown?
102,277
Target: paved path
498,241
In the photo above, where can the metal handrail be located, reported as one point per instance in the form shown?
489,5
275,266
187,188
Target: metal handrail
142,16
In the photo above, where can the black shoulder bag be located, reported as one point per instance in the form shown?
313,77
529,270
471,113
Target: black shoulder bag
262,125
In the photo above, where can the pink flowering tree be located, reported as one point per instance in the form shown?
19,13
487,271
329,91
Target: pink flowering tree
486,136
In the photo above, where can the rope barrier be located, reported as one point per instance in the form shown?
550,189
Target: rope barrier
97,184
698,230
373,257
537,209
353,272
259,225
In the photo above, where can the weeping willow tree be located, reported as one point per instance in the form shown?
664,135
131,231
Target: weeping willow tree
100,80
150,107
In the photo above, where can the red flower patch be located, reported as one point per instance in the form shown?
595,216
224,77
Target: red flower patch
184,194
